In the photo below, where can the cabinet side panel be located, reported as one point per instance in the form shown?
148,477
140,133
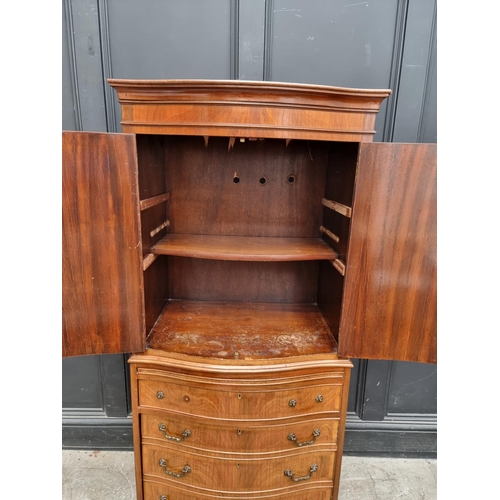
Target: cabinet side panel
136,421
330,288
103,310
389,307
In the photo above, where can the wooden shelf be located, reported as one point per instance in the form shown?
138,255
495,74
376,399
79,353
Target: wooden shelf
245,248
241,330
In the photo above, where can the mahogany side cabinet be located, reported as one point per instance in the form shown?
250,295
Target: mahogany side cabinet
243,240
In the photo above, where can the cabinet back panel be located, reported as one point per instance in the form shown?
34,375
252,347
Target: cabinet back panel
206,200
240,281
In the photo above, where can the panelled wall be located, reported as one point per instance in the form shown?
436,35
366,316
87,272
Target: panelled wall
372,44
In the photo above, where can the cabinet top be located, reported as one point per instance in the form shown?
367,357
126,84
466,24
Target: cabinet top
248,109
245,85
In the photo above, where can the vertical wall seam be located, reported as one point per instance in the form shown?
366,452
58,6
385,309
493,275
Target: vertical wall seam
432,54
68,14
395,73
107,71
268,39
234,42
361,387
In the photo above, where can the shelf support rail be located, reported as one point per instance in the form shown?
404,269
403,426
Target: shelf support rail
337,207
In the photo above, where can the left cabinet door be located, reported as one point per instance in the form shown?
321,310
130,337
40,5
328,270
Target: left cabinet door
102,292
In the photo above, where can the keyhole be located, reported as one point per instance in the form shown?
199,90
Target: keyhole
262,180
239,432
239,396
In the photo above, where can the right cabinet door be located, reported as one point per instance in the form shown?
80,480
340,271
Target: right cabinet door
389,303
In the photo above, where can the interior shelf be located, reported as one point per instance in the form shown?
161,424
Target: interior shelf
241,330
245,248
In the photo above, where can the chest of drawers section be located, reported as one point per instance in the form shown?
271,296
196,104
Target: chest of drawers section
271,431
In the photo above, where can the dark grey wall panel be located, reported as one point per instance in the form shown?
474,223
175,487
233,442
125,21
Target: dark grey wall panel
340,43
251,39
81,383
158,39
414,70
88,64
169,39
413,388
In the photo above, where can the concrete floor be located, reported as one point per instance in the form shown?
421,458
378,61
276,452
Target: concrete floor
103,475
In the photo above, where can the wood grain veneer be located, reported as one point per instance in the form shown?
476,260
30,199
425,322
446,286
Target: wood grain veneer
264,400
248,109
204,199
252,330
155,488
392,253
241,281
102,286
239,475
245,248
229,438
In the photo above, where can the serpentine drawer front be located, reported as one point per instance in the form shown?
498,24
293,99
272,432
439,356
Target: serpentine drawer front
261,401
237,475
158,491
238,436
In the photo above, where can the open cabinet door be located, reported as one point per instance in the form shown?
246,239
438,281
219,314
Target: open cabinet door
103,305
389,306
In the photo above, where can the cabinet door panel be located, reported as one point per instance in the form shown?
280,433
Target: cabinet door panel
389,306
103,309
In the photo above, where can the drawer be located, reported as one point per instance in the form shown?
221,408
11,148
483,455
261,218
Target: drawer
238,437
156,491
258,401
196,470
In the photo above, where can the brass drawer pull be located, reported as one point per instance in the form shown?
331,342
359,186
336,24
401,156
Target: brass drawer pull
160,395
184,435
290,474
292,437
292,403
185,470
319,398
163,497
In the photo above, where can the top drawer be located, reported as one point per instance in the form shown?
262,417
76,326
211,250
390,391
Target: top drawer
256,401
